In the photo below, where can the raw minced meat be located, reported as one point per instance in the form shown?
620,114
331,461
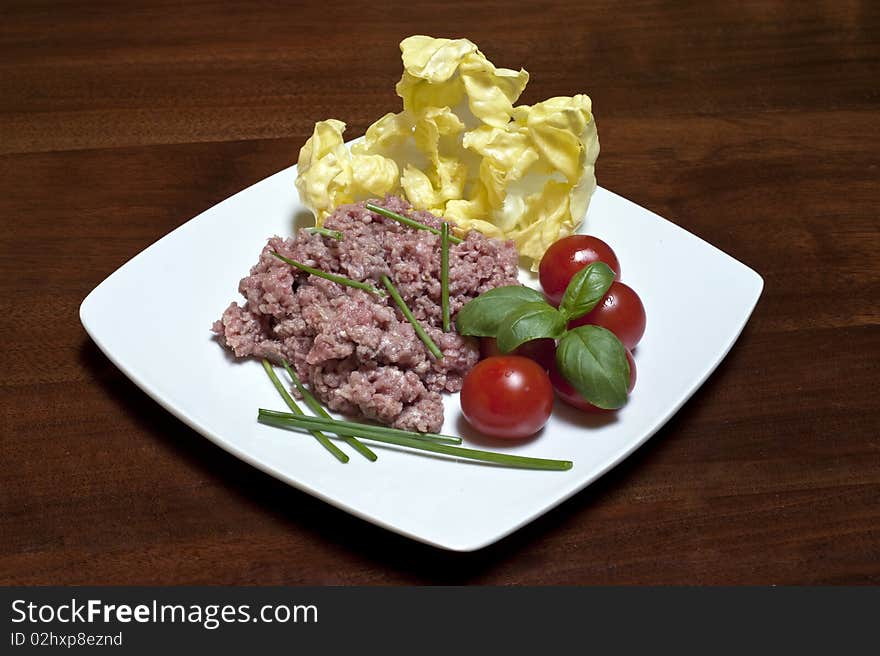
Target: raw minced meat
354,349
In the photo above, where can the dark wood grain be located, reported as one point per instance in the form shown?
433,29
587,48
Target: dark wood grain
753,125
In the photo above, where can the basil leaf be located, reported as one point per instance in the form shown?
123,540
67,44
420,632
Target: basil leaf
586,289
594,361
482,316
529,321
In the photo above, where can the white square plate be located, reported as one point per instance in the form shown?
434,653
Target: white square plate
152,318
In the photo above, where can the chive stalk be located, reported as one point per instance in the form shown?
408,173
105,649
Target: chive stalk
405,220
342,280
444,275
420,331
324,232
366,428
509,460
318,409
323,439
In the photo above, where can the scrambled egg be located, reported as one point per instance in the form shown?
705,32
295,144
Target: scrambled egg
461,149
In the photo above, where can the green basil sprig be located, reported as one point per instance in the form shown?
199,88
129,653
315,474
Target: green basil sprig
529,321
586,289
591,358
482,316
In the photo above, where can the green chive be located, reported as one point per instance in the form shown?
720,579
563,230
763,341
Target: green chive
456,451
321,422
318,409
444,274
324,232
432,347
405,220
342,280
323,439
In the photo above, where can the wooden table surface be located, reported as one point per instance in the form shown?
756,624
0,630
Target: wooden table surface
752,124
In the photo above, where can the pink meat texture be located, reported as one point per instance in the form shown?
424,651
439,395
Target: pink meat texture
355,350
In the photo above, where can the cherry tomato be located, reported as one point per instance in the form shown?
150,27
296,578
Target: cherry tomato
507,396
542,351
566,257
620,311
572,397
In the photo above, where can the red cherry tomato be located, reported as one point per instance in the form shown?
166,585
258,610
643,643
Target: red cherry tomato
572,397
542,351
566,257
507,396
620,311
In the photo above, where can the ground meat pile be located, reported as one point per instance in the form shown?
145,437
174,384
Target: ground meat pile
354,349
